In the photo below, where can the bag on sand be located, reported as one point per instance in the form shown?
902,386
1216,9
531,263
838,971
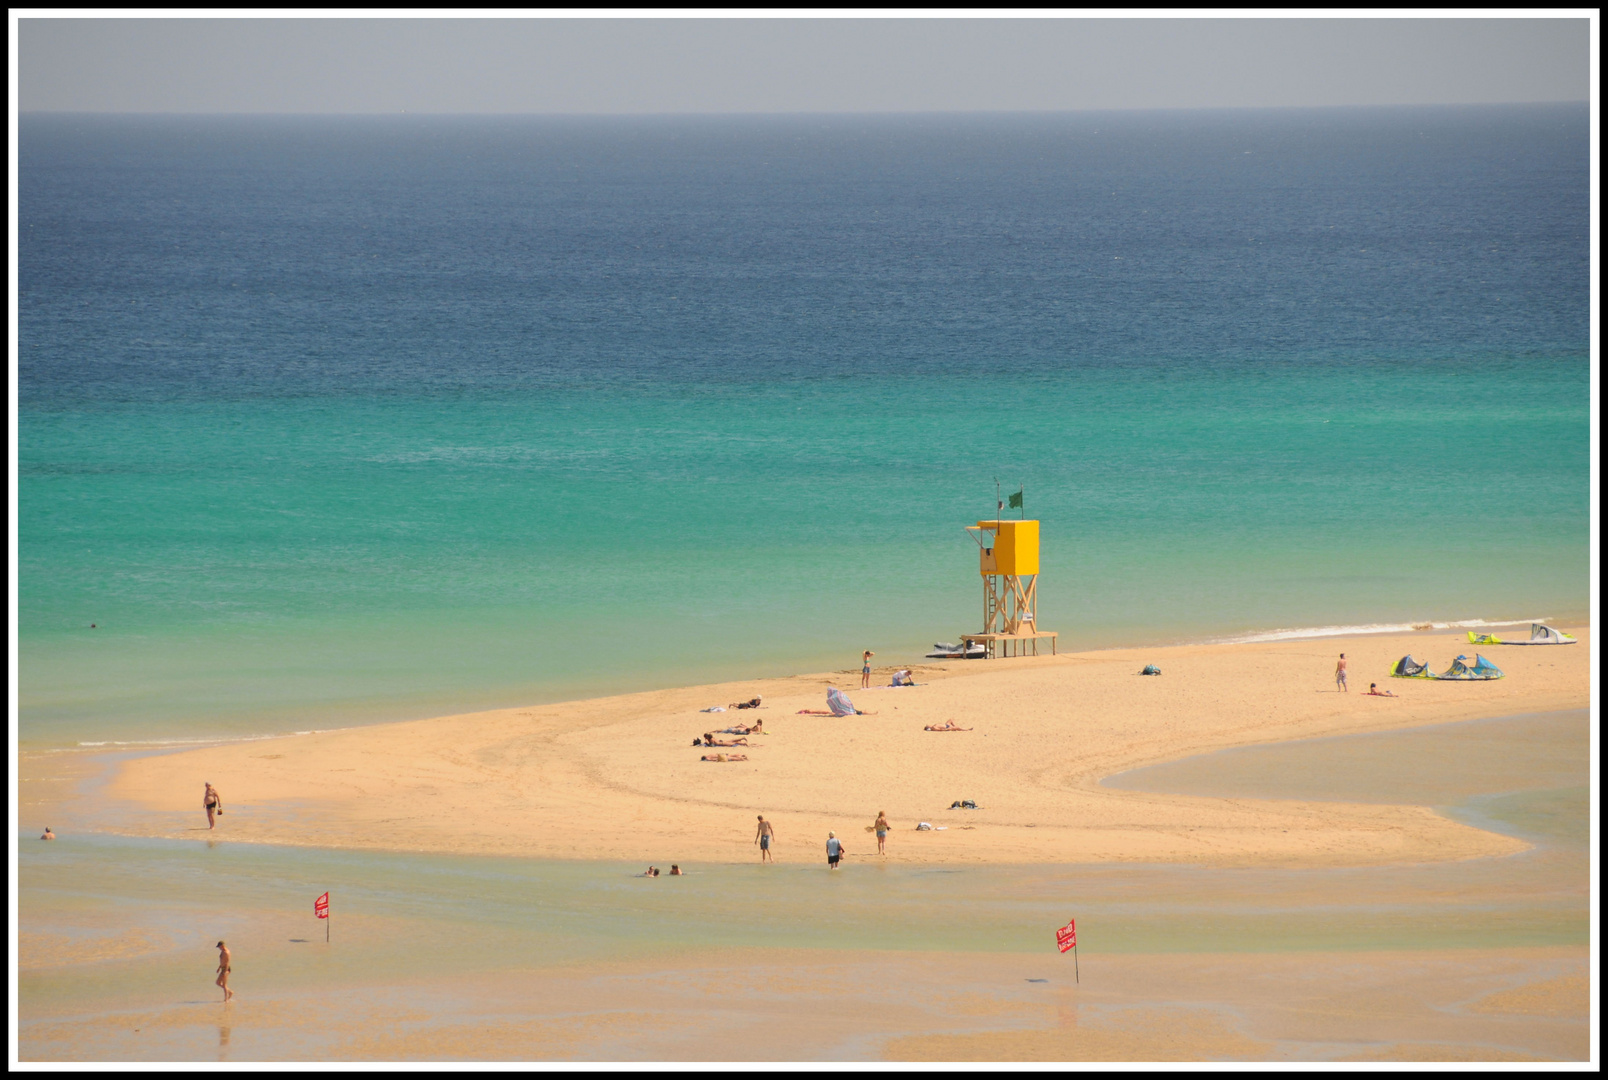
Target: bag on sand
1151,669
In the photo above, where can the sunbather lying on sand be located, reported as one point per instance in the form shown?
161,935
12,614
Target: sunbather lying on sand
947,725
1373,688
758,728
829,712
751,703
710,740
724,757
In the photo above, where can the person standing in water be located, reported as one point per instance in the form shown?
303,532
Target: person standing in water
865,669
763,837
223,971
834,850
211,803
882,832
48,834
1340,674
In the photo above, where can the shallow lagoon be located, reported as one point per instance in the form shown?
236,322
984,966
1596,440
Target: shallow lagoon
116,927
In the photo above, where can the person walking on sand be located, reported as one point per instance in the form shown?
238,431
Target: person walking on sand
223,971
763,837
211,803
882,832
865,669
1340,674
834,850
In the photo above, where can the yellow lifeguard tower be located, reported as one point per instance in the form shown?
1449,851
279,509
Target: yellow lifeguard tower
1009,563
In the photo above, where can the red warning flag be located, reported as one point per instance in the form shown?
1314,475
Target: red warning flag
1067,936
321,908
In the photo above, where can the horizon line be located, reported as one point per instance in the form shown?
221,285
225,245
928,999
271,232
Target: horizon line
808,112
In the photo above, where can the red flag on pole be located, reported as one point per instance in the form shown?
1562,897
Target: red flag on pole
1067,936
321,908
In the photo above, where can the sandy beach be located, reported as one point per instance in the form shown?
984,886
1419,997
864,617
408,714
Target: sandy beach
620,778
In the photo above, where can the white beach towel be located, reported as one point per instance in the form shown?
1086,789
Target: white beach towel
714,708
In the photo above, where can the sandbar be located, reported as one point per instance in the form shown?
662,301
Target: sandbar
619,777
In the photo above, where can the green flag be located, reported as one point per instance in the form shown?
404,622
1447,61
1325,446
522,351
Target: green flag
1016,500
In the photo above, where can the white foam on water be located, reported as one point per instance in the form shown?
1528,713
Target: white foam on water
216,741
1299,633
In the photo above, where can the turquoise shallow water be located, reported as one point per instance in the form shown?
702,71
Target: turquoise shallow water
309,563
329,421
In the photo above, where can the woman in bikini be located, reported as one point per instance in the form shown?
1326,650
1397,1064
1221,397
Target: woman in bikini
947,725
865,669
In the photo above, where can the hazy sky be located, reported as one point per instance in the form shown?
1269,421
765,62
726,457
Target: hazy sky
788,65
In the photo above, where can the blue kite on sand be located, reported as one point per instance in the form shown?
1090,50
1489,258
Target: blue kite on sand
1482,669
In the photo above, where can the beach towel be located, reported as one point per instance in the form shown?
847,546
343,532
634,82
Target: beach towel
714,708
839,702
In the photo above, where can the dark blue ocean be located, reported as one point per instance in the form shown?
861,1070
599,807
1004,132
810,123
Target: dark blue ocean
331,420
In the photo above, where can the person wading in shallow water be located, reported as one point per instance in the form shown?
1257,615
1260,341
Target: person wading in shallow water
211,803
223,971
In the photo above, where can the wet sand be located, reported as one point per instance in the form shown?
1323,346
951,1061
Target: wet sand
777,1005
